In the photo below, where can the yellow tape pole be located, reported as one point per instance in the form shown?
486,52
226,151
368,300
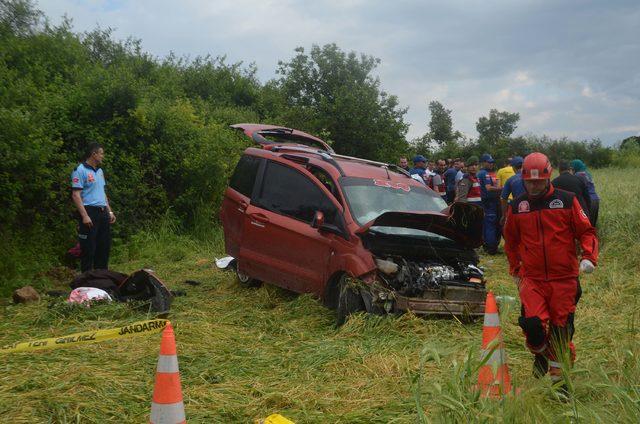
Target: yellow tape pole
86,337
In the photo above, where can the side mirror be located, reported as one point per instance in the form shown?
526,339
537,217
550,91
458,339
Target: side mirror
318,220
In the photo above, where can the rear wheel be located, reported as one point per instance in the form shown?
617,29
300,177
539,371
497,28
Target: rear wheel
244,280
349,300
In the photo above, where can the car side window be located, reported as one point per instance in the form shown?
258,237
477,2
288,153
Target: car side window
288,192
326,181
244,175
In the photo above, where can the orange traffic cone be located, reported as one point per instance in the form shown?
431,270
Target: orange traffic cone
167,406
493,378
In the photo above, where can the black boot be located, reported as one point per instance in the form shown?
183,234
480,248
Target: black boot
540,366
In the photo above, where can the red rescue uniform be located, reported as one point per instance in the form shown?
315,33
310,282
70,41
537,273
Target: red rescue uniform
540,243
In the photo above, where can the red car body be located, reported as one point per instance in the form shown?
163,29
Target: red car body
290,218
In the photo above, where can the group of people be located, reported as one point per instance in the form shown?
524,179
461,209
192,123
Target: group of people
541,220
476,181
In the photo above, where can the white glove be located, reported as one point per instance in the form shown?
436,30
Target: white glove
587,266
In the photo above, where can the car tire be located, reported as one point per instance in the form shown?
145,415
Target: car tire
349,301
244,280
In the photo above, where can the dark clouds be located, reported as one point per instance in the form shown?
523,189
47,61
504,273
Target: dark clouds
569,68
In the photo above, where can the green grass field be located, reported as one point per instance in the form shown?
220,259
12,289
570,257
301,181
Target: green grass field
246,353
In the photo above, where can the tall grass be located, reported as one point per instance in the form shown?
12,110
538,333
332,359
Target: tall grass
246,353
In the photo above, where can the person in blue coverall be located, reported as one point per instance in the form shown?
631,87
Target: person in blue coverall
490,194
450,180
513,188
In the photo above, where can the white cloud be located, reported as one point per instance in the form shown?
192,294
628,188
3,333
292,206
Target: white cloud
523,78
587,92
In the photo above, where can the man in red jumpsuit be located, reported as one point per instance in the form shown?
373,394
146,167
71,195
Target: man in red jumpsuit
540,234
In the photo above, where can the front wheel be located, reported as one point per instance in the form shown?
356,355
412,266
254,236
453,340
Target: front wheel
349,300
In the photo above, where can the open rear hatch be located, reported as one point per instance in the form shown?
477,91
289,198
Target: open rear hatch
266,135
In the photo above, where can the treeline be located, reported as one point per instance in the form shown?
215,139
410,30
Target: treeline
164,125
495,136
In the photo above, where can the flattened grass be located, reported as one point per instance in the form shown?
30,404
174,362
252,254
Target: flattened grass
246,353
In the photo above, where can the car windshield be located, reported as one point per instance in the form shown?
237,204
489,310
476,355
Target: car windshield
369,198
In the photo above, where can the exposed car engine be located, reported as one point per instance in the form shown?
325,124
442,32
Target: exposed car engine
412,278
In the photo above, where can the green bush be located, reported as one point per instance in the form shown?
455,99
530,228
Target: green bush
164,127
627,156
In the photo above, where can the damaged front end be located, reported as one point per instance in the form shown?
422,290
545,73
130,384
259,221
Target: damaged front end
425,263
427,288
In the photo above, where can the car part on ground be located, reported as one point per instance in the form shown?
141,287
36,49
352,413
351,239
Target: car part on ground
144,286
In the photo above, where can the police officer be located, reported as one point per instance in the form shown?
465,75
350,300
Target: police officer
490,193
468,188
96,217
419,167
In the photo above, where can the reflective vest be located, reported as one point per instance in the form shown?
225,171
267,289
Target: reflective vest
474,195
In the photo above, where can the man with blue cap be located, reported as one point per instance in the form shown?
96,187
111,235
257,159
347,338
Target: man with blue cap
490,194
419,167
513,188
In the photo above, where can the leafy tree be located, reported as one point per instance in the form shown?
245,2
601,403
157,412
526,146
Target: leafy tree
440,124
497,127
632,142
334,93
19,17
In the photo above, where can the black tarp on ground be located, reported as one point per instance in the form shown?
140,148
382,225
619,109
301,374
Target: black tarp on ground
141,286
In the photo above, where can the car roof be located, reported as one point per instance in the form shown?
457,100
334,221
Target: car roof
335,165
324,157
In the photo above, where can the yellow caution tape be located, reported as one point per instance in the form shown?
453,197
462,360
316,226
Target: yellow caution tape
131,330
275,419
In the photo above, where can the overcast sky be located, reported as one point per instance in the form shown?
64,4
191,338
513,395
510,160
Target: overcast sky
570,68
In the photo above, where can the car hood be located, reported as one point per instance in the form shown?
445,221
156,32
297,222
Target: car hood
461,222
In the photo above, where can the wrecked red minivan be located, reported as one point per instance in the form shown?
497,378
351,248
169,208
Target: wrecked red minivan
361,235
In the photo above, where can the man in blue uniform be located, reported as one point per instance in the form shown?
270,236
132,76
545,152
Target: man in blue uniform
513,188
96,217
450,180
419,167
490,193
